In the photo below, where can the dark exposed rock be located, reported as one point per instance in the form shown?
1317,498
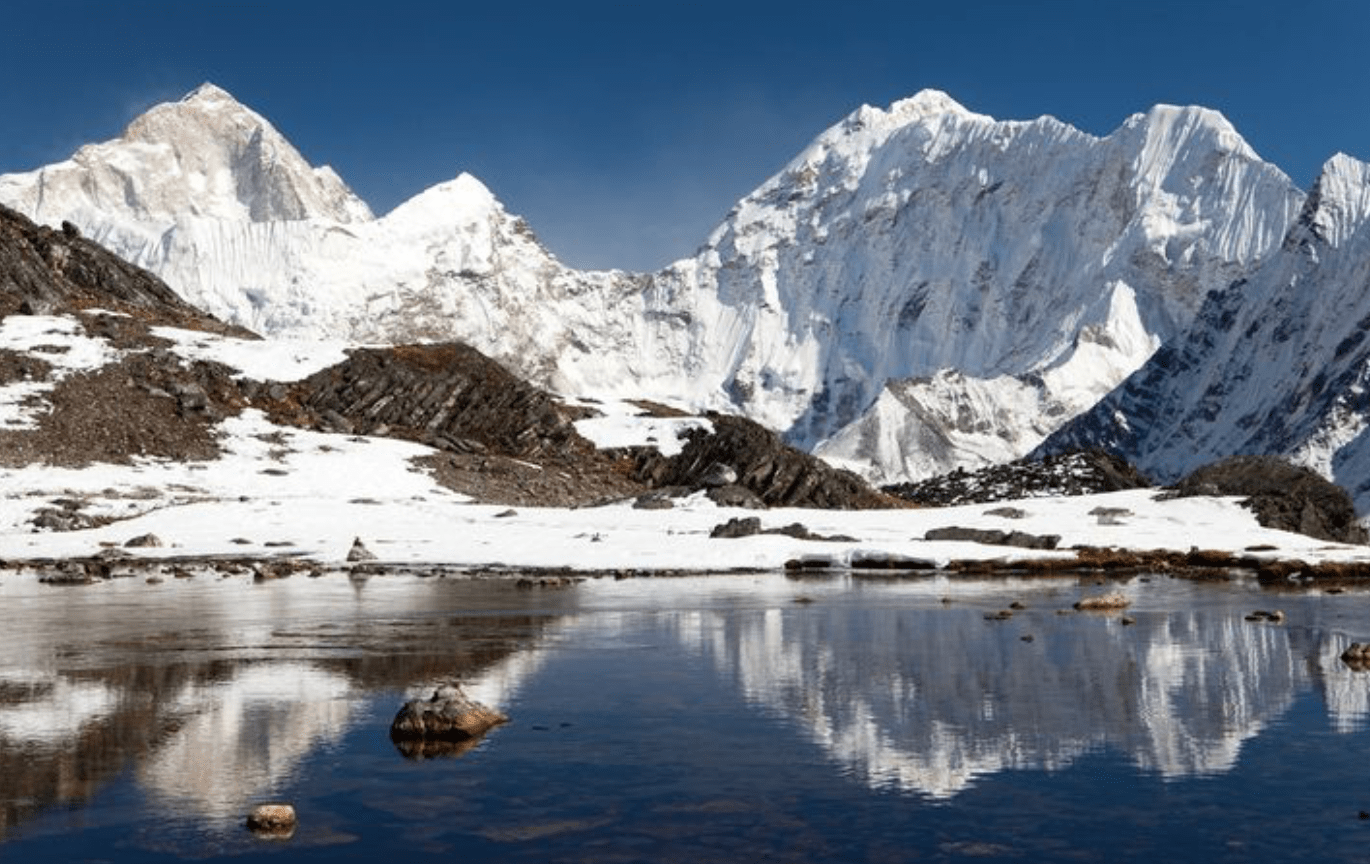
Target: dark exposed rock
718,474
737,527
992,537
449,396
43,271
359,552
1283,496
779,475
1007,512
751,525
143,541
654,501
53,519
1082,473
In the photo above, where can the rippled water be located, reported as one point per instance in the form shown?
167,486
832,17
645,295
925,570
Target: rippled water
718,718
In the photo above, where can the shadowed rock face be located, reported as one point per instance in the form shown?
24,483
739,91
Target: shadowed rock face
778,474
449,395
47,271
1283,496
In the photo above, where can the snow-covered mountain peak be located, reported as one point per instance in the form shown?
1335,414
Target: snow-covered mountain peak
461,199
1340,200
926,103
204,156
209,94
1172,128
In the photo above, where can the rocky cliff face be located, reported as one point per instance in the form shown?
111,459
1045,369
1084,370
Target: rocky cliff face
43,270
1274,364
922,288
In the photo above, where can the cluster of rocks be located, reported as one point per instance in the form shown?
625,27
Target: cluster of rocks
1283,496
1081,473
146,404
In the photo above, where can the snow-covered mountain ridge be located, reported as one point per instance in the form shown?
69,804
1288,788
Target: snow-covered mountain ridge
923,287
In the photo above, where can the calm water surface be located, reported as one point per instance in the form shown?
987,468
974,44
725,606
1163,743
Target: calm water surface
728,718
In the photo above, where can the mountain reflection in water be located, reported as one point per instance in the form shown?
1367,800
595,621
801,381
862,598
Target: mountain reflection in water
218,694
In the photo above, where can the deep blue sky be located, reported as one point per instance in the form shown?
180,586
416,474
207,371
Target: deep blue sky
624,131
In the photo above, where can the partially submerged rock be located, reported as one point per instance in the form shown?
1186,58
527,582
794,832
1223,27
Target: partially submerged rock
1102,603
1357,656
359,552
448,715
275,820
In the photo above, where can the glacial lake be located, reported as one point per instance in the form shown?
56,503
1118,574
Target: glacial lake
703,719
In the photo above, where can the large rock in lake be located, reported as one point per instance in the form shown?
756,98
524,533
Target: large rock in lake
448,715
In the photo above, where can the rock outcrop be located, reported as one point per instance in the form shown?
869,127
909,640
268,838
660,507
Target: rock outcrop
448,395
779,475
1283,496
48,271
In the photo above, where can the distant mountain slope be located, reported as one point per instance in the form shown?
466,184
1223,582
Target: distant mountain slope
1274,364
922,288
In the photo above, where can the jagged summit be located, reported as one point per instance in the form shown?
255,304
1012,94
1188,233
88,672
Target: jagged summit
205,156
210,92
1339,201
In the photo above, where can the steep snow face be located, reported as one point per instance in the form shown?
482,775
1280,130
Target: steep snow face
1025,267
925,238
1278,363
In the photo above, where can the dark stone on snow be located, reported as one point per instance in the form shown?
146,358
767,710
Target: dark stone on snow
736,496
991,537
737,527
